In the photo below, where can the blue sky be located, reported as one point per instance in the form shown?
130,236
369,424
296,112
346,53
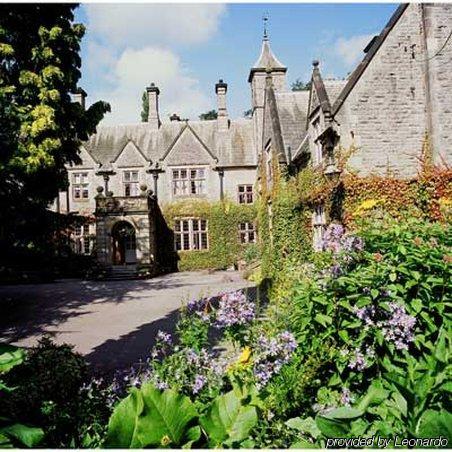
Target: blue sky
186,48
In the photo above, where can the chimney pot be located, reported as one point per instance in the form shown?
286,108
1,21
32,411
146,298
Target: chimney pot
79,96
221,89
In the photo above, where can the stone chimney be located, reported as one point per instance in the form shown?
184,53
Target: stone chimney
221,89
153,114
79,96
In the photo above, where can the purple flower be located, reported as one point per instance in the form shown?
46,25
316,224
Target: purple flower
358,361
346,398
164,337
271,354
398,326
366,314
200,381
234,309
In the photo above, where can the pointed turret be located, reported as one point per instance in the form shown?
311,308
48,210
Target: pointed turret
267,66
267,61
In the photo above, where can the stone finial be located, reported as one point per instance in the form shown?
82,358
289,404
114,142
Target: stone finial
315,63
174,117
100,189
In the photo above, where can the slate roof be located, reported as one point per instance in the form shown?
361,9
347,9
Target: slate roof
333,88
232,148
266,60
292,110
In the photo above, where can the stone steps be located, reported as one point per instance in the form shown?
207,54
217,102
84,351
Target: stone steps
121,272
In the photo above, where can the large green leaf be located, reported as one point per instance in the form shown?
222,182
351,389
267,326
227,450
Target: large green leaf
124,421
20,435
228,420
344,412
332,428
151,418
433,424
374,396
10,356
307,425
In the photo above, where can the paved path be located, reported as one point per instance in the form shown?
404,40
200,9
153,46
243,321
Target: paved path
112,323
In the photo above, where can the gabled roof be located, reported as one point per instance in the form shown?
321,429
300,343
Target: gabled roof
292,111
374,46
188,128
235,147
266,61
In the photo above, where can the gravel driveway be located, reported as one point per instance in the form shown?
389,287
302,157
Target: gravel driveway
112,323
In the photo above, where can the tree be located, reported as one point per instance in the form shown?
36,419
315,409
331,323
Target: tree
212,114
144,107
41,127
299,85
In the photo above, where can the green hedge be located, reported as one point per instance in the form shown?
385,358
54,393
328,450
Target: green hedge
223,222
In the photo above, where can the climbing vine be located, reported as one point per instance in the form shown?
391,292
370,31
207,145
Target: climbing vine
223,219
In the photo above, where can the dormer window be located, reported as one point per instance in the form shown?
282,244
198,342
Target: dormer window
189,181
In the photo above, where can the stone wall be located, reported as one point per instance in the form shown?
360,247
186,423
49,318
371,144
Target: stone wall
437,28
385,113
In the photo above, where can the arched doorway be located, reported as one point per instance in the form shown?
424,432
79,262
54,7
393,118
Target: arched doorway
124,243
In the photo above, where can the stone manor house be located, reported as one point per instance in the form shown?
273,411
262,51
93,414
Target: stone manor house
397,98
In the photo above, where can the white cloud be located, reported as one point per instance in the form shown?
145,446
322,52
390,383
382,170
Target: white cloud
131,45
351,49
135,69
139,25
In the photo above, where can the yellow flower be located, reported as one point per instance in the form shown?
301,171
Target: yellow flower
366,205
245,356
165,441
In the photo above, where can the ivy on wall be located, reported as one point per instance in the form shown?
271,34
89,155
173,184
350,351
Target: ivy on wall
285,208
223,219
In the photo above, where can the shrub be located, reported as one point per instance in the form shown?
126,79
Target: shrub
52,391
374,314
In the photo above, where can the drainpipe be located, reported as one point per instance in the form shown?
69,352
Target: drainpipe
221,174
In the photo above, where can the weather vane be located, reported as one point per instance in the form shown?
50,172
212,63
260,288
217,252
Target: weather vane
265,20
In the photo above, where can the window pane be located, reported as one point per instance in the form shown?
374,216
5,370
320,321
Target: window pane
249,188
195,225
76,178
126,176
175,174
196,241
201,174
186,242
177,225
183,174
177,242
185,225
204,225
